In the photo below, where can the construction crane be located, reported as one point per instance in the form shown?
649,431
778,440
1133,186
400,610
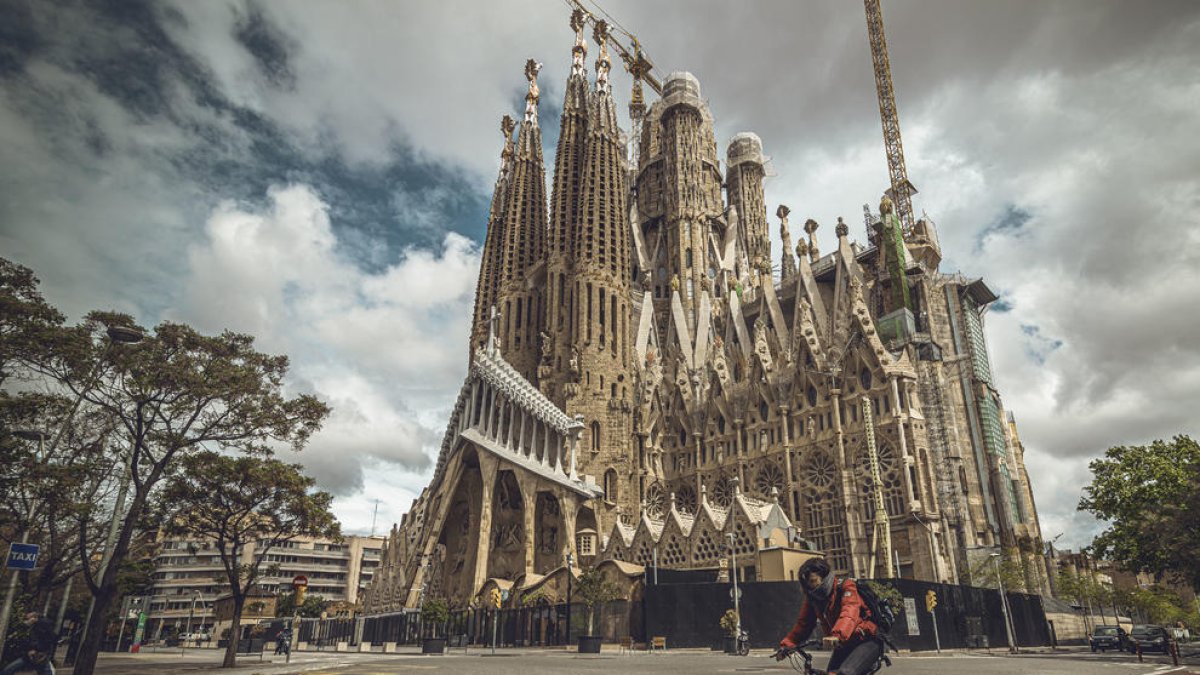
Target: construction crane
635,59
881,533
901,190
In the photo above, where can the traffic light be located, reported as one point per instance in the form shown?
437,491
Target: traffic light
496,599
930,600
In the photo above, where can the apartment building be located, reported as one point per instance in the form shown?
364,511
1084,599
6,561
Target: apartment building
188,575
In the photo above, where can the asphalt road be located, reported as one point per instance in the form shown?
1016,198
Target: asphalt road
528,662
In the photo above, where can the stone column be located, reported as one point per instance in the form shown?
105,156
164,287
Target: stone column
787,460
854,541
901,413
488,466
529,500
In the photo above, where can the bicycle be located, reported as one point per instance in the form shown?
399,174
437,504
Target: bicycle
801,661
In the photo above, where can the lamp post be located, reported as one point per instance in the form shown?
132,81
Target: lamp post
188,633
40,437
570,564
1012,645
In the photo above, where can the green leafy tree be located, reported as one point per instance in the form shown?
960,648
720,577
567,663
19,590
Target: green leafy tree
436,611
593,589
169,396
1012,573
24,315
311,608
1150,496
236,502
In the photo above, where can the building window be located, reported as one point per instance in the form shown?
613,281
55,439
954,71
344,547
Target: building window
610,485
595,437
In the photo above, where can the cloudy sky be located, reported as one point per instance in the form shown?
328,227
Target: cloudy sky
317,174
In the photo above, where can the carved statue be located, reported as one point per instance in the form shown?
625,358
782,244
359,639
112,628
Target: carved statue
507,124
532,68
675,282
574,361
762,348
547,346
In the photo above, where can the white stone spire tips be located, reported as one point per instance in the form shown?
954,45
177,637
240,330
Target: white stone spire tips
531,99
579,51
603,63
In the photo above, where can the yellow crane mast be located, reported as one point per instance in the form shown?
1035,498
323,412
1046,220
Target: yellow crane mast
901,190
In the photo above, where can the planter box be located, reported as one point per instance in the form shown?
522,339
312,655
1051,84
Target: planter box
589,644
433,646
390,647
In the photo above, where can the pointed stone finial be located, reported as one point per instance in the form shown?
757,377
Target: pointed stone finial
579,51
737,486
885,205
532,68
775,494
603,62
703,493
842,228
810,227
507,124
672,501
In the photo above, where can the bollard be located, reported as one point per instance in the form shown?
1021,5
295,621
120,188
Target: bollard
1139,652
1175,652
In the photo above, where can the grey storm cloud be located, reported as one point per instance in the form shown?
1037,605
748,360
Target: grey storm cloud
153,152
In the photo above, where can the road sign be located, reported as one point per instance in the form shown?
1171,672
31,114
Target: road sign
299,581
22,556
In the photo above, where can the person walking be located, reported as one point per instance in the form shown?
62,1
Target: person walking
841,611
37,650
283,641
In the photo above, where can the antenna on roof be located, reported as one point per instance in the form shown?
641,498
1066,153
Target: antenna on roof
374,516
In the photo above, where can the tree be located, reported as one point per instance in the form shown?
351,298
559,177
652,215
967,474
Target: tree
593,589
1012,573
23,313
311,608
1150,496
241,502
436,612
170,396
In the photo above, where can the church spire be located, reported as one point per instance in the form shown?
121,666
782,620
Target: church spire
489,265
523,240
564,217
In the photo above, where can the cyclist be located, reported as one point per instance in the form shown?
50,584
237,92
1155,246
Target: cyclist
844,619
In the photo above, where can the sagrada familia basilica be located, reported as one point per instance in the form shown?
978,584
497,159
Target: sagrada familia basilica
647,384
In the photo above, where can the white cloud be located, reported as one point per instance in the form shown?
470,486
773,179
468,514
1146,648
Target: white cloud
385,349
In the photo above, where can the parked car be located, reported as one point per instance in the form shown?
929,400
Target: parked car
1104,638
196,637
1150,638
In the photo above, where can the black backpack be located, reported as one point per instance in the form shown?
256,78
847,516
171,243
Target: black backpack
881,612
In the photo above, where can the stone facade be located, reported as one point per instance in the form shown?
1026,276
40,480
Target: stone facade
699,385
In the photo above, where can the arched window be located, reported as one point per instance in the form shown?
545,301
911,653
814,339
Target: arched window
595,436
610,485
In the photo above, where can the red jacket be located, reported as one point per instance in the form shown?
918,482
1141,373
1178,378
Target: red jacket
845,617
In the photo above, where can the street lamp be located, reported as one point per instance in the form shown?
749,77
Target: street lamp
188,633
1012,645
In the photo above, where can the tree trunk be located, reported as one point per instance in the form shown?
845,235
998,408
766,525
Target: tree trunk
591,610
235,633
85,660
